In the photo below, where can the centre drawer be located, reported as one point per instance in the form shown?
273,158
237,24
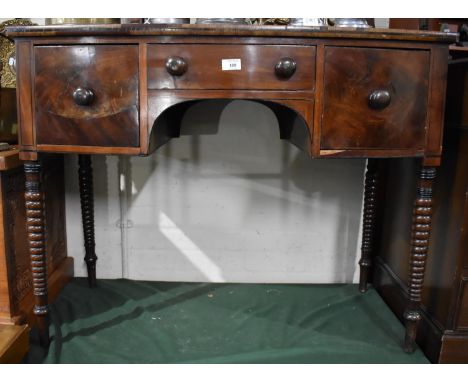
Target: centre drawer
238,67
87,95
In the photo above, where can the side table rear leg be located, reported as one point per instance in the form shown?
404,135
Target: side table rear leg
85,173
35,226
421,230
368,227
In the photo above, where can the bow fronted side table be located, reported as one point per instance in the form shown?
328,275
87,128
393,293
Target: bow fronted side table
124,89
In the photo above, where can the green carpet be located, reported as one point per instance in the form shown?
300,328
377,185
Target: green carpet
123,321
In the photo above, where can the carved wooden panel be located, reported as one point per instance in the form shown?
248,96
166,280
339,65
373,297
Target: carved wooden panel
108,117
16,251
375,98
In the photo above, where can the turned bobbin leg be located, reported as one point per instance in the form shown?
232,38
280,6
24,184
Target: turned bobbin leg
85,173
421,230
368,227
35,227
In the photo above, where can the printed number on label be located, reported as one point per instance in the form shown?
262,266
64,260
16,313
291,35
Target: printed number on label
231,64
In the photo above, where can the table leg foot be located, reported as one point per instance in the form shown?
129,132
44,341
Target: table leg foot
85,173
412,318
43,321
369,217
35,226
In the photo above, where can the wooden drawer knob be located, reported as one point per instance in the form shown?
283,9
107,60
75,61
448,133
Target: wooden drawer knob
285,68
176,66
83,97
379,99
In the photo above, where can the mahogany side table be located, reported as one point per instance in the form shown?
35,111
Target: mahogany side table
123,89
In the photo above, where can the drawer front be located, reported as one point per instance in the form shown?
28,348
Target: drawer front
250,67
87,95
374,98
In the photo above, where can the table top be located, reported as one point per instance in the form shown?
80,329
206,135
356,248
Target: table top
229,30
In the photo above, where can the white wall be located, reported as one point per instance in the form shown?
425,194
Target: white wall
237,205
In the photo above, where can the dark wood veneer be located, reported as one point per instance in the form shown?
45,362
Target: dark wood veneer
110,72
166,109
204,70
352,75
85,177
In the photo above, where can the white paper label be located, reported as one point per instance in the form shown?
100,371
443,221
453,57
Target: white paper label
231,64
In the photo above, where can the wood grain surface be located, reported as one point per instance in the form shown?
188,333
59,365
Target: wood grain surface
204,67
14,343
110,72
228,30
